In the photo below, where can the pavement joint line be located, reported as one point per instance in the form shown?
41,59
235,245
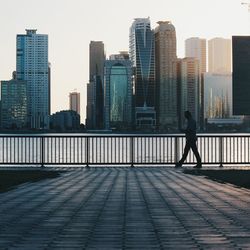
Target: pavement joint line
172,211
80,206
55,210
192,208
208,221
213,194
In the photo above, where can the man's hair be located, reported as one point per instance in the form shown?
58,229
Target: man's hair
188,114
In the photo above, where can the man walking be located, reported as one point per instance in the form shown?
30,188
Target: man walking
191,139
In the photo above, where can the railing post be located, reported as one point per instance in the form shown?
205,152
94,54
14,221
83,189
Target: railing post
221,151
87,152
42,151
132,151
176,149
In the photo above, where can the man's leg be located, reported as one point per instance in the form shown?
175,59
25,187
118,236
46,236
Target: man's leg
186,150
196,153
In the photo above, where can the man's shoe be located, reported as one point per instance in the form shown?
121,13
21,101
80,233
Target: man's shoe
178,165
198,166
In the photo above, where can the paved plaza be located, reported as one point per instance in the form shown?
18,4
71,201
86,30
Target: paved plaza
125,208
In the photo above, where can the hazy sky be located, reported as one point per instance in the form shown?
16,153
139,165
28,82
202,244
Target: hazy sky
72,24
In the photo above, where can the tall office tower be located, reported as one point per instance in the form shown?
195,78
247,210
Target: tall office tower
218,95
74,102
95,86
241,75
32,66
141,52
219,56
14,104
166,75
190,78
196,47
118,94
96,59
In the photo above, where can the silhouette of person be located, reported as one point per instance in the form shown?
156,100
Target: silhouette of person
191,139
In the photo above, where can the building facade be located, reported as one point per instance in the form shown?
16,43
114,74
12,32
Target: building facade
197,47
13,104
118,94
218,95
190,72
95,87
32,66
65,120
219,56
166,76
241,75
142,55
74,102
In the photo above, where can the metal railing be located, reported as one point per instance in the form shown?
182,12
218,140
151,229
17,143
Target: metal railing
122,150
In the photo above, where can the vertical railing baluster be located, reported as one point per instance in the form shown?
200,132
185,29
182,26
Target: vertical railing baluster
132,151
42,151
221,151
87,151
176,149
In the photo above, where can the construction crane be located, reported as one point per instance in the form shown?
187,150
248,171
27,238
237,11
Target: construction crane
248,5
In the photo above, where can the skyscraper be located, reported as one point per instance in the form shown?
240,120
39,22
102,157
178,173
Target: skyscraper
141,52
166,75
196,47
190,88
241,75
95,87
218,95
219,56
118,94
32,66
74,102
13,104
96,59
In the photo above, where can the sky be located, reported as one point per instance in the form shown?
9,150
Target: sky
72,24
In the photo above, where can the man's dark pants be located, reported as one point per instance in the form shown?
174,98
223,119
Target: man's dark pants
190,144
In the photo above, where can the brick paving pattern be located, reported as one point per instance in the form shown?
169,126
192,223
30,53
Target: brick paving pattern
125,208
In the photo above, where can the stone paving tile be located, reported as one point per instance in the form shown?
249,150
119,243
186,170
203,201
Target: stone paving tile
125,208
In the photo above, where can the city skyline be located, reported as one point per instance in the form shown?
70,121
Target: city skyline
69,37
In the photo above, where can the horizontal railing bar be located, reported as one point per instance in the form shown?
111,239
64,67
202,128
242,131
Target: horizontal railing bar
127,136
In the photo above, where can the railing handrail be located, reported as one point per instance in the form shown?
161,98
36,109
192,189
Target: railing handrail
179,135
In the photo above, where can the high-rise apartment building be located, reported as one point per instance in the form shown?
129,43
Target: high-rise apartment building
219,56
196,47
95,87
190,77
118,94
74,102
14,104
241,75
142,55
166,75
32,66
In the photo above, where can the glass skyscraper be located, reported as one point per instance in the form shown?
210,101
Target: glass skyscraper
142,55
118,94
32,66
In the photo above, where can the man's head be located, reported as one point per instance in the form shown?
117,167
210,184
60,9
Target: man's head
187,114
